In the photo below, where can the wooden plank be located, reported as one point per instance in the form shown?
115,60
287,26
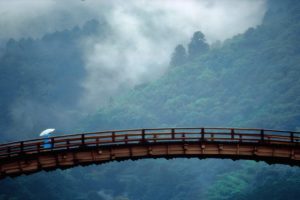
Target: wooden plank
68,151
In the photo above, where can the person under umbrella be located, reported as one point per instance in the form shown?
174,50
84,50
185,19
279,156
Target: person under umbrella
46,134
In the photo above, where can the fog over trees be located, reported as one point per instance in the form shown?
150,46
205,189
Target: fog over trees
115,65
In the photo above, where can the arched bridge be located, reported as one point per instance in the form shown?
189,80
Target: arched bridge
271,146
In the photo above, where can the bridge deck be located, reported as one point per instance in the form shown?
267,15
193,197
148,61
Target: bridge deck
31,156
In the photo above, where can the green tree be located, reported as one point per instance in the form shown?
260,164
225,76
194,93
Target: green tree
198,45
179,56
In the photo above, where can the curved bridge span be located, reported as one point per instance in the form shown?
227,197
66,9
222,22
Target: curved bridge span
271,146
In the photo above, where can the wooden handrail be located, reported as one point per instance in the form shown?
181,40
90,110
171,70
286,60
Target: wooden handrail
156,129
154,135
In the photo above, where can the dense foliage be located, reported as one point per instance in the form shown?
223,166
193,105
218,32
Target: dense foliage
250,81
41,80
179,56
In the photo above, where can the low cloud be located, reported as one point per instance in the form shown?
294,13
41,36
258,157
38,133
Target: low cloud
141,36
219,19
144,34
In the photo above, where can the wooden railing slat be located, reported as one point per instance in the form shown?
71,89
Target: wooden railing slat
152,135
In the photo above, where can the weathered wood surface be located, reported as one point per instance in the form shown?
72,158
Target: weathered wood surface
271,146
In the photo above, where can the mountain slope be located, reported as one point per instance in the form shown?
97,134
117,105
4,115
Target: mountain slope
41,80
252,80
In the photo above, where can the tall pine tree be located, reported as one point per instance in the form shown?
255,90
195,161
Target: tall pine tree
179,56
198,45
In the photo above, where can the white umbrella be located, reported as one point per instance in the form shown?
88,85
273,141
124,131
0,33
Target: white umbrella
47,132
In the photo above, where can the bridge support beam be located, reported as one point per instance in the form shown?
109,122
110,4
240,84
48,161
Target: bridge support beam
50,160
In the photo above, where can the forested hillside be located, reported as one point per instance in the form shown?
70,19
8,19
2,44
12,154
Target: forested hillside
250,80
41,80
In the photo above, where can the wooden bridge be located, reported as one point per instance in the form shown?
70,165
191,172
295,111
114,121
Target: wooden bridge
271,146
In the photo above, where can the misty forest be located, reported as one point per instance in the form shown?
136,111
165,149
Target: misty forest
88,65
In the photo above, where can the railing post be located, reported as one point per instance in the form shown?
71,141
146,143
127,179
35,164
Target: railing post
262,138
126,139
143,135
97,141
173,133
22,147
38,147
202,134
82,140
292,137
52,143
68,144
232,134
8,151
113,136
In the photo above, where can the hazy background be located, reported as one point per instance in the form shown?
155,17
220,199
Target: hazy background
81,66
138,31
114,52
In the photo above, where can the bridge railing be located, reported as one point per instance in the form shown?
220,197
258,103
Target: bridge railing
144,136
